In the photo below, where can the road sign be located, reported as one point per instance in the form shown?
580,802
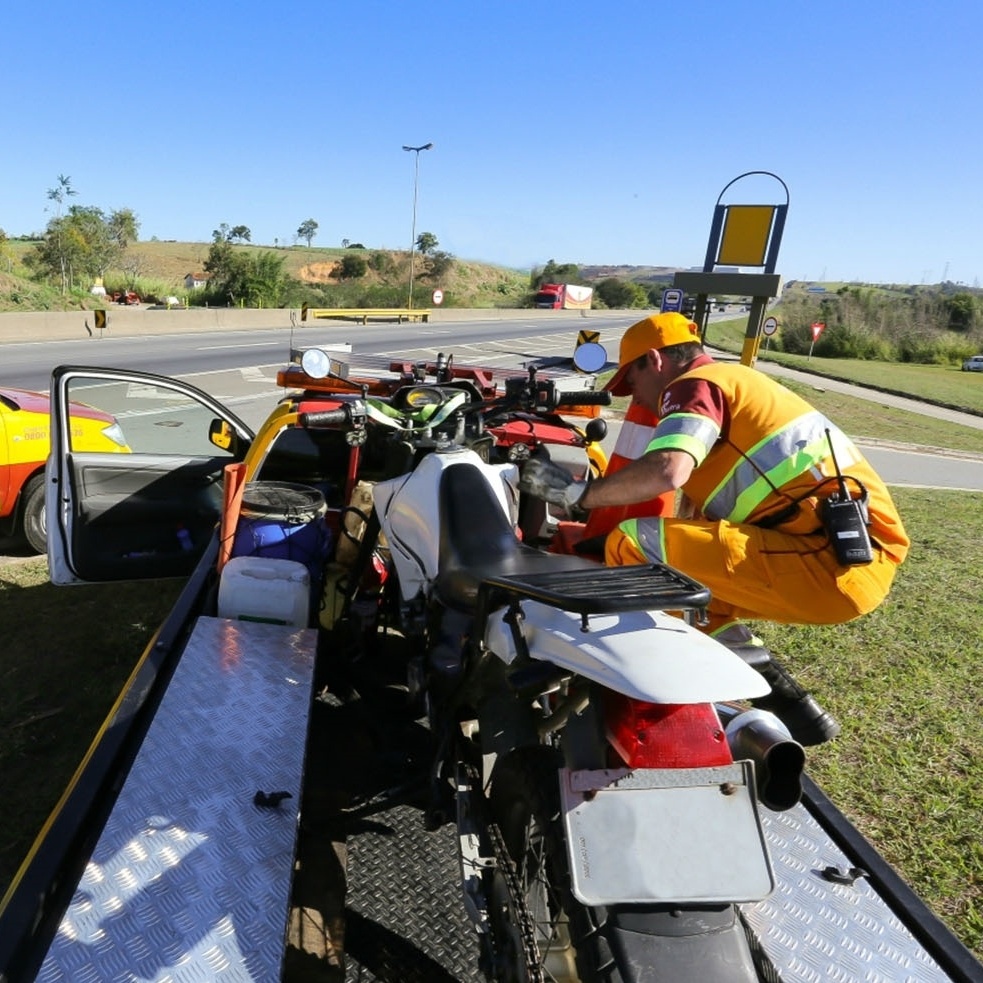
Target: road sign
586,337
770,326
672,299
438,296
817,329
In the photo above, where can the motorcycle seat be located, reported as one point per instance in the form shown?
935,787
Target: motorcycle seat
478,543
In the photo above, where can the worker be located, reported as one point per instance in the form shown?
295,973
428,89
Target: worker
780,516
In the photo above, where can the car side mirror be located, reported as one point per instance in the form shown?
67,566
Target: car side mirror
222,435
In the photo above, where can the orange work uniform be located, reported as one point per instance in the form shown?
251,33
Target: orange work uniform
763,465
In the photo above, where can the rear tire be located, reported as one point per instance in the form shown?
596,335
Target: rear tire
525,804
33,516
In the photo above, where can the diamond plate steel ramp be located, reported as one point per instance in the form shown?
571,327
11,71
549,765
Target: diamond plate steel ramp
190,876
815,930
405,916
386,902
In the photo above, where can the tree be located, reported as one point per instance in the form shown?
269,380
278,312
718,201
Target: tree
307,230
554,272
82,243
426,242
123,227
240,233
58,195
615,292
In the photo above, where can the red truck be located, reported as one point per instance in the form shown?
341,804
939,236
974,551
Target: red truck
563,296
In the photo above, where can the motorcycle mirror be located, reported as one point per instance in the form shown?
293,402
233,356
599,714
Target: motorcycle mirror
590,356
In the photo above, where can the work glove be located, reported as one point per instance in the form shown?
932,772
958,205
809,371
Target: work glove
553,484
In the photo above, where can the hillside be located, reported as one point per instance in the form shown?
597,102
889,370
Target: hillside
158,268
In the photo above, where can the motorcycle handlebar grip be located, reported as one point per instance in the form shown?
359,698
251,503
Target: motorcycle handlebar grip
599,397
324,418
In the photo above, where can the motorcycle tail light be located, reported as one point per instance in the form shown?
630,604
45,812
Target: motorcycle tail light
666,735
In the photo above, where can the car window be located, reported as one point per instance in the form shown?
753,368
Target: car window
153,419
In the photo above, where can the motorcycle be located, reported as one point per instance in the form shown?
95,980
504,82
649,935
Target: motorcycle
593,747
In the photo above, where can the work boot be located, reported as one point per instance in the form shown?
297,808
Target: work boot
806,720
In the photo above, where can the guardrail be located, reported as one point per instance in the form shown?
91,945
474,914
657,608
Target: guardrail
364,314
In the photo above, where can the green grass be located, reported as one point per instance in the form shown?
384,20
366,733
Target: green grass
946,385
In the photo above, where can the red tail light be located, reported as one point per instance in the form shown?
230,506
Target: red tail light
666,735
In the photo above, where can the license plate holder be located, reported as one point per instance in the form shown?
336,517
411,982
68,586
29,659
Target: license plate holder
674,835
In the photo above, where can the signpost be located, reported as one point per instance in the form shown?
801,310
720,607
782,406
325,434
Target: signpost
768,328
438,296
672,300
817,330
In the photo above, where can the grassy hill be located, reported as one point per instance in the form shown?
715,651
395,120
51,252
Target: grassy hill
158,268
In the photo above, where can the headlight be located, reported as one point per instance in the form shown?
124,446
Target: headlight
114,432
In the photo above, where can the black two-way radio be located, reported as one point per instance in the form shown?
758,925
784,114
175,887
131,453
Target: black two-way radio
845,519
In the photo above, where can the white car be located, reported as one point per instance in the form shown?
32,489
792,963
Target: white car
973,364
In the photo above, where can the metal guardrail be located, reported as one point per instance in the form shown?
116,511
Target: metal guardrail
365,314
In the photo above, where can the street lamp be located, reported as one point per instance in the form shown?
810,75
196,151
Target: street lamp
416,179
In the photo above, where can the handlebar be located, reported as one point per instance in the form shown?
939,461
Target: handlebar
325,418
587,397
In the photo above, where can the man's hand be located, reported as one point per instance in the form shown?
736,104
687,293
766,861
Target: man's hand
550,482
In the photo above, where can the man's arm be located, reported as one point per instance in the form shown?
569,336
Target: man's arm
650,475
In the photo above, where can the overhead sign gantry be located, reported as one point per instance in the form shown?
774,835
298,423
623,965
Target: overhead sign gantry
741,236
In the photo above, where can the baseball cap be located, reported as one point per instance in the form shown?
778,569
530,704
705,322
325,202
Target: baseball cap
655,331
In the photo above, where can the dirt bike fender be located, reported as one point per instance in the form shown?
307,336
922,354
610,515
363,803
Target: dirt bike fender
647,655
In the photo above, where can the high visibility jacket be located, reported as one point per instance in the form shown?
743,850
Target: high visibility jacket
637,431
772,463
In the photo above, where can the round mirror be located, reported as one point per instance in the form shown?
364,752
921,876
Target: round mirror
315,363
590,356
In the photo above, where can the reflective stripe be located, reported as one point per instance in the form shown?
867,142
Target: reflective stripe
633,440
799,447
647,535
690,432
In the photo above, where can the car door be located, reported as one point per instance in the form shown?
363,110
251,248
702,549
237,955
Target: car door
149,512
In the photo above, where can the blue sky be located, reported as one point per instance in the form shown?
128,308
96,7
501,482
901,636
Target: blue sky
581,132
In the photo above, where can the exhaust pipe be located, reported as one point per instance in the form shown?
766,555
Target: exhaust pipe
760,736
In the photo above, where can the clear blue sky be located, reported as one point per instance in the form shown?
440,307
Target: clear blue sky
581,132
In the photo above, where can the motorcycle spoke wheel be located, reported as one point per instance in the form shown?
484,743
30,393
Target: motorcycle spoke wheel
525,806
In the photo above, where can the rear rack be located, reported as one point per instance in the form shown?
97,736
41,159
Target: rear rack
599,590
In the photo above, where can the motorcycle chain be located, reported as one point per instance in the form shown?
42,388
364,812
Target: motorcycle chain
520,910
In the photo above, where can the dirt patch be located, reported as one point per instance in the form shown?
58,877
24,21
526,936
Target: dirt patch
317,272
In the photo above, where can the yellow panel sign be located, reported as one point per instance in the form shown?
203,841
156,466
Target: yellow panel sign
747,229
100,316
588,338
303,312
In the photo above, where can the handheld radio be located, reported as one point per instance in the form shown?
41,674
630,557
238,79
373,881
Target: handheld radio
845,519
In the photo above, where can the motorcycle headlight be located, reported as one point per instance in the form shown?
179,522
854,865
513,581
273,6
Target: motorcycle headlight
114,432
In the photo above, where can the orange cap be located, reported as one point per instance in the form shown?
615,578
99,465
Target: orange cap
656,331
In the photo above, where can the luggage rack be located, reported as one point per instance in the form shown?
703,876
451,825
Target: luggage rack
599,590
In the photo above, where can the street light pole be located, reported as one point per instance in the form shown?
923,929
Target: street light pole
416,181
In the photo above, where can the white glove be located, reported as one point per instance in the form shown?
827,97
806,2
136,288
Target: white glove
551,483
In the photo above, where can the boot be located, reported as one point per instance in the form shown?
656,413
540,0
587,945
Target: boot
807,721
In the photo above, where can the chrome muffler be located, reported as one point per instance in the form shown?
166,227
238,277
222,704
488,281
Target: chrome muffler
759,736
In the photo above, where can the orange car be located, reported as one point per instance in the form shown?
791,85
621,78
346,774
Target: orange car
24,446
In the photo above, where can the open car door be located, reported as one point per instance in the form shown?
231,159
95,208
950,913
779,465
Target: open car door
150,508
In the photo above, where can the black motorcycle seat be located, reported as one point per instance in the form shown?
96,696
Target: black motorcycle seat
478,543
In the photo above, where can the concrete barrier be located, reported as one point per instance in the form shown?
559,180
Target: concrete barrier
135,321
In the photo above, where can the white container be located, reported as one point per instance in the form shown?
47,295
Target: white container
259,588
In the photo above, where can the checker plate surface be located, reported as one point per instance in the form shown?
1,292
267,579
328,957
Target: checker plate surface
190,879
816,931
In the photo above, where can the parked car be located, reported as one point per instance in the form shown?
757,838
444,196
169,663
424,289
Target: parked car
973,364
24,447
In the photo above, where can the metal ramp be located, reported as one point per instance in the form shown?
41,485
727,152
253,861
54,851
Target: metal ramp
190,878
